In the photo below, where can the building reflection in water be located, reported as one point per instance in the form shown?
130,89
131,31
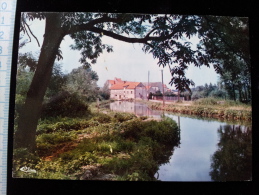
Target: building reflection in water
135,108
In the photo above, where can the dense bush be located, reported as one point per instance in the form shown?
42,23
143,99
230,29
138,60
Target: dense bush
163,132
64,104
103,118
121,117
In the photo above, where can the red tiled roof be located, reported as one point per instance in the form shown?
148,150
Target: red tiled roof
111,81
148,86
127,85
117,80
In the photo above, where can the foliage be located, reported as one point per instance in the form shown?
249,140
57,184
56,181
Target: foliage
103,118
181,83
22,157
130,159
23,80
27,60
105,91
228,48
123,116
63,124
157,93
210,107
208,91
236,80
55,138
48,143
233,159
64,104
82,81
165,37
57,82
206,101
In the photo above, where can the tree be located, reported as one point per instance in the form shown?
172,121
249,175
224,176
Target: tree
226,39
180,81
57,81
236,80
105,91
160,35
208,91
227,47
82,81
233,159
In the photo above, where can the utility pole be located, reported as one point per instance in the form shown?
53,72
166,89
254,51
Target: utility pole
163,89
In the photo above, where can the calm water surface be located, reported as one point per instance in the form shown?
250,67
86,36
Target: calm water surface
209,150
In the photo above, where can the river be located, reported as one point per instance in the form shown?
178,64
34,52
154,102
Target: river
209,150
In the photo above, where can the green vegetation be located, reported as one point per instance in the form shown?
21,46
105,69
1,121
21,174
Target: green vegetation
58,135
232,161
119,145
209,107
223,42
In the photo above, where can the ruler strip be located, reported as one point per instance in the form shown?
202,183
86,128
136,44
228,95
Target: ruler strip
7,20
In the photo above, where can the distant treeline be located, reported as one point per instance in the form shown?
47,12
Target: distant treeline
221,90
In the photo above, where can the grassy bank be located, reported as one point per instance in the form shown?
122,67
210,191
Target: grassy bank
208,107
114,146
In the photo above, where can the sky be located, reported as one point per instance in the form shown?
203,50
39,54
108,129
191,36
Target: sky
127,61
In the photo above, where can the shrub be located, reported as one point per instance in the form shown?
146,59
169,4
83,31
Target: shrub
163,132
56,138
131,129
125,145
143,117
65,124
65,104
103,118
121,116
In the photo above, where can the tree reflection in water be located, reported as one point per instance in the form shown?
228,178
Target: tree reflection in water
233,159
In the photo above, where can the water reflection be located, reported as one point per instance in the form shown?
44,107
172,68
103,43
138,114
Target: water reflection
209,150
233,159
191,161
135,108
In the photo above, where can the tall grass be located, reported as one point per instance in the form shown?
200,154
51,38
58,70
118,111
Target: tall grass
209,107
217,101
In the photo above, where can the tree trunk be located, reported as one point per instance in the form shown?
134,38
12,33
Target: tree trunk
240,91
233,90
30,114
245,92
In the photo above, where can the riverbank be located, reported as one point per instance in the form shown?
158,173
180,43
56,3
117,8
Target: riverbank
114,146
206,108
